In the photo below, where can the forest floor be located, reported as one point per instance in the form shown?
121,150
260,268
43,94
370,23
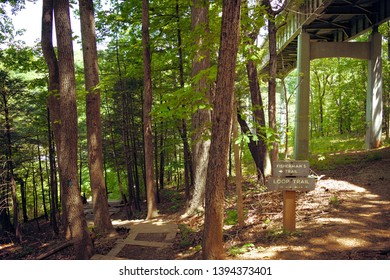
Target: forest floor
347,216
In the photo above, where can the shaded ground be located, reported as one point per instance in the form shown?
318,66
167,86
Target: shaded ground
347,216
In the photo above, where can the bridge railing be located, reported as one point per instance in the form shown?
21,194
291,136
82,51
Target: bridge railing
296,16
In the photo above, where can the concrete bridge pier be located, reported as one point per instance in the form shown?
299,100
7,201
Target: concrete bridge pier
370,51
374,110
302,114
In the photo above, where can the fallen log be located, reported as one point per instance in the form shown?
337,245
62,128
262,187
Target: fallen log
54,250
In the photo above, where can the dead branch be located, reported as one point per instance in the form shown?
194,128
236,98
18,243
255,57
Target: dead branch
54,250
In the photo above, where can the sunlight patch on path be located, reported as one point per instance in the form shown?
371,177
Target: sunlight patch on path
340,185
337,220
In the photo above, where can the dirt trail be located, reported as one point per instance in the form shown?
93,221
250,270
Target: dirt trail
346,217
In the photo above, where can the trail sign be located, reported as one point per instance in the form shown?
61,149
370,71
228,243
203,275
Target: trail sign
290,176
291,184
296,168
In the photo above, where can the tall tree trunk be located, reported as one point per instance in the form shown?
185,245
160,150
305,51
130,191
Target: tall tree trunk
71,199
272,29
202,117
24,201
162,156
42,183
35,197
53,178
133,139
272,85
259,118
188,172
18,232
220,133
156,172
258,147
53,102
238,170
52,64
102,221
147,108
127,153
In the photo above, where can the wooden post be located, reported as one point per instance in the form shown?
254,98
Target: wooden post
289,176
289,202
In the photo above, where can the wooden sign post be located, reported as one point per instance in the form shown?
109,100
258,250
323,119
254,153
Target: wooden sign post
290,176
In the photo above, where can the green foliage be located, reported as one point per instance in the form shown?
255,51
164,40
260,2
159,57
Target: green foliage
239,250
231,217
338,97
180,104
341,143
331,152
276,234
186,236
175,199
334,201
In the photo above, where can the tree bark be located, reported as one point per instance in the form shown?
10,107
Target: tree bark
71,199
272,29
202,117
147,108
102,221
220,133
238,171
53,102
42,183
52,64
260,147
53,178
24,202
272,84
182,127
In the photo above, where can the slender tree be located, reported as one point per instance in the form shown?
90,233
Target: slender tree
102,221
182,126
53,103
202,117
272,29
71,199
53,178
147,108
42,181
238,169
220,133
257,137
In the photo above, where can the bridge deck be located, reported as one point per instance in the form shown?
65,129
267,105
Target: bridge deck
326,21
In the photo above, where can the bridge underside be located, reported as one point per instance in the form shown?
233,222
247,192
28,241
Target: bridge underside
327,21
325,28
